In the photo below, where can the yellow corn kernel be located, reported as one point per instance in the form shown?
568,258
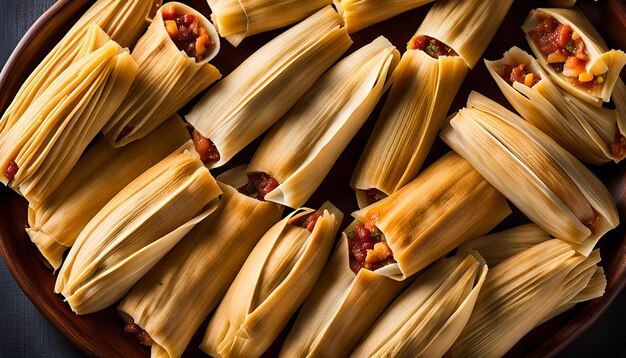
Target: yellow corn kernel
201,44
575,35
528,80
585,77
171,27
600,79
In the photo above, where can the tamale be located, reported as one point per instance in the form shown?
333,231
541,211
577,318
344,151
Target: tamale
360,14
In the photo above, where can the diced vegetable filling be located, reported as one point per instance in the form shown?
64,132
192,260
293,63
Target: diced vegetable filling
143,336
618,146
368,247
431,46
205,147
11,170
520,73
308,221
187,32
259,185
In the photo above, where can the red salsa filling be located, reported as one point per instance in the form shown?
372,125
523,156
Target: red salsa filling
205,147
565,51
187,32
308,221
11,170
520,73
618,146
431,46
259,185
143,336
368,248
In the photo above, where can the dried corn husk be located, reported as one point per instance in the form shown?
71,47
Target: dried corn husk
49,138
518,294
430,315
619,99
101,173
445,206
467,26
542,179
360,14
340,308
602,61
495,248
239,19
586,131
166,80
123,20
421,95
192,279
594,289
265,86
136,229
300,150
276,278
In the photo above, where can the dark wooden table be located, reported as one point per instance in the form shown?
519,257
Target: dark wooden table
25,333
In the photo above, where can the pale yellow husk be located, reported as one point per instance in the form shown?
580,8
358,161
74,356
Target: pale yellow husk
594,289
101,173
301,149
136,229
467,26
166,80
123,20
238,19
430,315
603,61
542,179
445,206
192,279
414,112
265,86
520,293
360,14
51,135
276,278
584,130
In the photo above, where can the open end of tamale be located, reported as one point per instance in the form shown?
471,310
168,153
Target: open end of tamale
368,248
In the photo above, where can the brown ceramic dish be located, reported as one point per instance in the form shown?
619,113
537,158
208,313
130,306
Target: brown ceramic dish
101,334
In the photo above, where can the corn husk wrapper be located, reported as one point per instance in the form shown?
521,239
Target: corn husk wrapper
467,26
429,316
276,278
414,112
445,206
603,61
360,14
301,149
542,179
619,99
49,138
264,87
584,130
594,289
166,80
520,293
123,20
239,19
192,279
340,308
101,173
136,229
495,248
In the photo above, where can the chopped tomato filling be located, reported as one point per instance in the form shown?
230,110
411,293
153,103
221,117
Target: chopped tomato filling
618,146
11,170
187,32
520,73
205,147
368,247
308,221
374,195
143,336
431,46
259,185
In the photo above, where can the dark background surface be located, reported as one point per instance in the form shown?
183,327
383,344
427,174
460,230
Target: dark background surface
25,333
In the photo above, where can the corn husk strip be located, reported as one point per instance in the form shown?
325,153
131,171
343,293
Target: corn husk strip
595,289
602,61
49,138
517,295
192,279
124,21
467,26
265,86
619,99
532,171
360,14
584,130
166,80
276,278
101,173
301,149
239,19
136,229
447,205
428,317
340,309
495,248
421,95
